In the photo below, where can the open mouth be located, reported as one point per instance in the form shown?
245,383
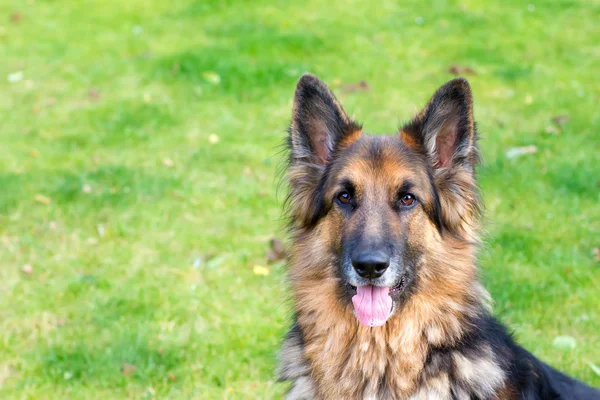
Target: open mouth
373,304
393,290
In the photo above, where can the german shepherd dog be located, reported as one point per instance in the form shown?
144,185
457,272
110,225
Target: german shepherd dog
387,302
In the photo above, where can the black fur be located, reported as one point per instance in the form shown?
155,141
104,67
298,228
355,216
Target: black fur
528,377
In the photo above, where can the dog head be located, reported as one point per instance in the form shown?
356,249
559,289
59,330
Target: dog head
374,213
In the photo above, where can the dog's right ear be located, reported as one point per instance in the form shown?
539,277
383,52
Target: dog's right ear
318,122
319,127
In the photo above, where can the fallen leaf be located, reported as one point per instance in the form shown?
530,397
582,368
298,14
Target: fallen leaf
167,162
594,368
564,342
596,252
520,151
128,369
52,225
552,130
212,77
456,69
212,138
16,17
278,251
260,270
560,121
40,198
27,269
94,94
172,377
361,86
86,188
160,351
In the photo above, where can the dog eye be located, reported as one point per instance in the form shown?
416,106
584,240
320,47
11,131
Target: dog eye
344,197
408,200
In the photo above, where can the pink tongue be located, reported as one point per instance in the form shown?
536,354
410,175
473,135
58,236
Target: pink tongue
372,305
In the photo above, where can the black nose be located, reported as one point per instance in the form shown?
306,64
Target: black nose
371,265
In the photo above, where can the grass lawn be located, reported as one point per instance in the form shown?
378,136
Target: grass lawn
138,176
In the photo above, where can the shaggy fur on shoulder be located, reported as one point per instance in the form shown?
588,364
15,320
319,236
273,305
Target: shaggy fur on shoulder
383,273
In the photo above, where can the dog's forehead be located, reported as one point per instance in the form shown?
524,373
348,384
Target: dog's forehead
378,160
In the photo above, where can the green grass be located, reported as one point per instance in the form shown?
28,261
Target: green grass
145,253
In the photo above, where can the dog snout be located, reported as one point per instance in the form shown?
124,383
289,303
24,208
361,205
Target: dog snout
370,264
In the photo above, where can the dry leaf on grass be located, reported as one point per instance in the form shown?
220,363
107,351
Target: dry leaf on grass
560,120
260,270
94,94
16,17
167,162
40,198
596,252
361,86
456,69
128,369
277,252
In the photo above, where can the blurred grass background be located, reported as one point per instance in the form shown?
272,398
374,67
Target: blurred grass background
138,185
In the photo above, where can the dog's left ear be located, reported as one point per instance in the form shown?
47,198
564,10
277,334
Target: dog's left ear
445,128
445,132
